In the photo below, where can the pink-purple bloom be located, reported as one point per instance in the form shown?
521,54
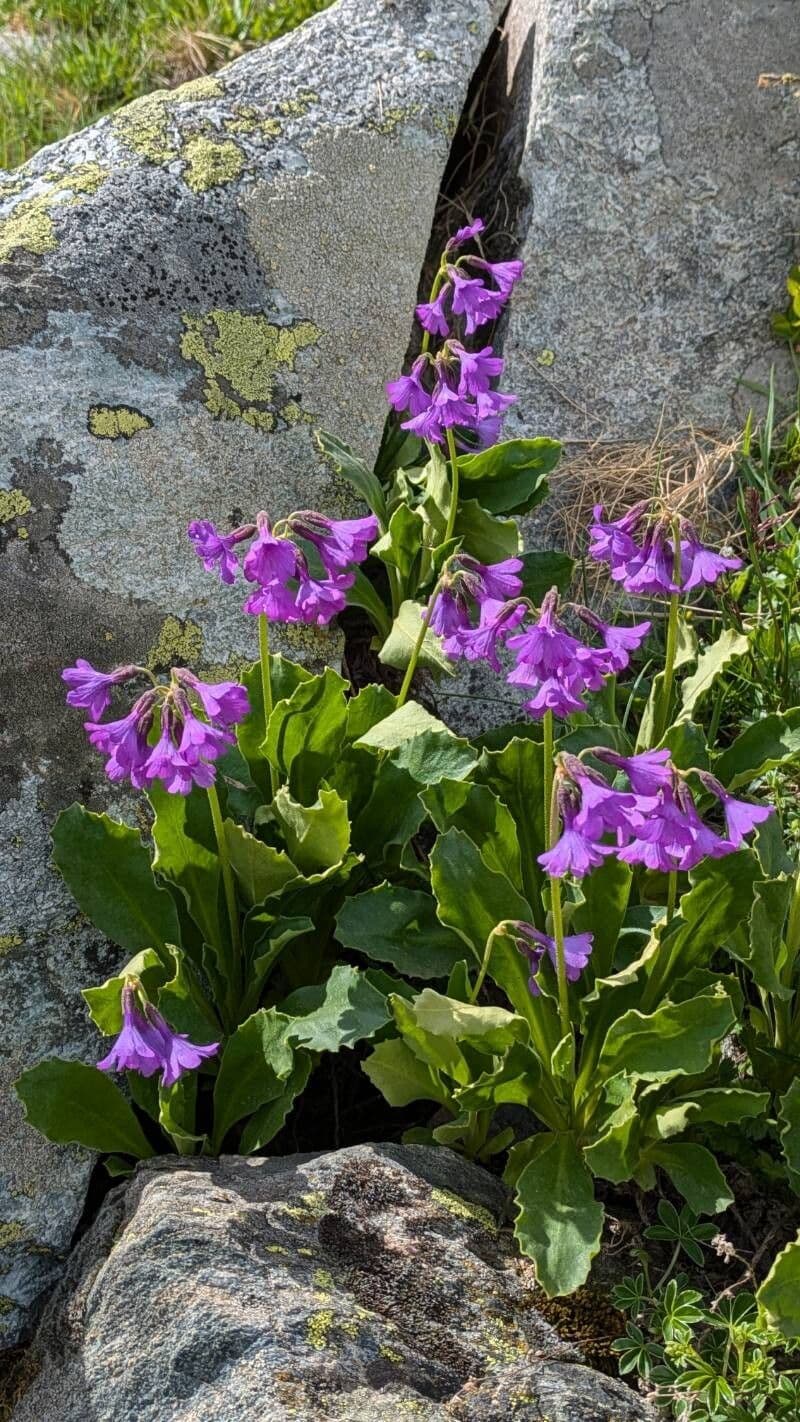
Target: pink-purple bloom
555,664
269,559
575,852
339,542
147,1044
741,816
480,644
466,234
125,742
535,945
214,548
641,553
91,688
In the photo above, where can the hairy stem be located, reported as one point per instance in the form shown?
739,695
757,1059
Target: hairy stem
665,700
547,777
412,665
266,685
453,509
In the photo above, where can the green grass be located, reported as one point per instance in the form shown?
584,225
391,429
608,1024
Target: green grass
82,58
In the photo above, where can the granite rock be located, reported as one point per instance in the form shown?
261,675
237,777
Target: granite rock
187,289
365,1284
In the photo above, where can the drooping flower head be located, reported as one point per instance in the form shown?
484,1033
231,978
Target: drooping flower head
452,391
467,585
534,945
147,1044
654,553
467,286
741,816
276,562
91,688
215,548
559,667
194,719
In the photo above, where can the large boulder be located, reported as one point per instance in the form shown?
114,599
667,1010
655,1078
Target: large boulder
187,289
658,187
366,1284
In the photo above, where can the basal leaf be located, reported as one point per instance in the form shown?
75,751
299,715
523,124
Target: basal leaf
354,470
509,477
399,645
70,1102
265,1123
545,570
260,869
317,835
485,536
695,1175
399,926
779,1295
105,1002
306,733
712,663
768,742
255,1063
186,855
107,869
559,1221
401,1077
677,1039
344,1010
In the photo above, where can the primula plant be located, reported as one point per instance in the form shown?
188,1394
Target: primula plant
581,913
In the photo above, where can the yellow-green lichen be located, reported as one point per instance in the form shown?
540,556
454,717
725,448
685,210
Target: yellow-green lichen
11,1232
210,162
6,1304
391,1354
13,504
503,1343
318,1328
9,941
241,357
464,1209
177,642
208,86
22,532
390,119
247,121
275,1249
323,1278
116,421
425,55
29,226
300,104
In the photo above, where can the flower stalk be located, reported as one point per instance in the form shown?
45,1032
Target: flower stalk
266,687
415,655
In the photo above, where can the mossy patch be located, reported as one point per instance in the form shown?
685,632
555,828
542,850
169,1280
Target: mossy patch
178,643
242,358
318,1328
11,1232
210,162
9,941
29,226
464,1209
116,421
299,104
247,120
13,504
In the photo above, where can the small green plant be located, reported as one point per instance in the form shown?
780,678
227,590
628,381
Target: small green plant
721,1358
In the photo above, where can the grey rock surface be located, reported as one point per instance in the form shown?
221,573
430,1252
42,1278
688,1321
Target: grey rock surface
371,1283
659,190
187,289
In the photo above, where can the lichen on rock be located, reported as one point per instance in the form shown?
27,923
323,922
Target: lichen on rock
116,421
30,226
242,357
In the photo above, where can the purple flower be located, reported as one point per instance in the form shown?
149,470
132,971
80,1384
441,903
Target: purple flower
477,368
495,581
408,391
139,1046
480,643
269,559
318,602
465,234
619,642
505,275
431,314
701,566
426,425
178,1054
603,810
574,853
225,702
125,741
450,612
339,543
451,408
276,601
199,740
556,663
474,301
611,542
215,548
741,816
534,945
92,688
176,765
553,695
650,572
648,773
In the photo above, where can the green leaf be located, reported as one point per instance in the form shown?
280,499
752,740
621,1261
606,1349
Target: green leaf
722,1105
183,1002
605,901
420,744
105,1002
260,869
306,733
484,536
401,544
509,477
264,1125
559,1221
771,900
255,1062
695,1175
183,835
676,1040
687,743
489,1029
543,571
285,677
364,594
718,902
107,869
614,1153
479,813
515,774
399,646
402,725
317,836
354,470
342,1011
779,1295
789,1118
371,705
769,742
442,1054
399,926
72,1103
177,1110
401,1077
712,663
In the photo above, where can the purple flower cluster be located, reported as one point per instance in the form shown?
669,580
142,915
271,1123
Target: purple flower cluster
641,551
654,823
184,753
549,659
534,945
452,390
147,1043
285,588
